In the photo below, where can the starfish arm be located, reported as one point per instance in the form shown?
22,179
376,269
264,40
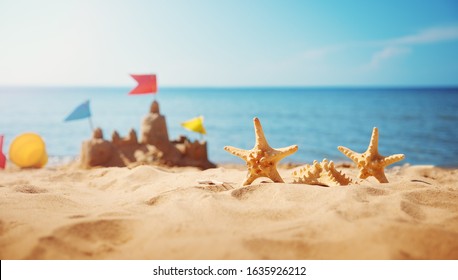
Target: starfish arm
250,178
392,159
243,154
373,144
261,141
363,175
380,176
338,176
275,176
279,154
349,153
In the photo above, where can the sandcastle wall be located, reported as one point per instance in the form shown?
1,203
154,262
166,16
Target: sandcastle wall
153,148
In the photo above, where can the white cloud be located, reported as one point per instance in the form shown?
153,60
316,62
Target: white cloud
403,45
431,35
387,53
391,48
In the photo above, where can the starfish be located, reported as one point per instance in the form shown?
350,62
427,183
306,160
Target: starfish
262,159
371,163
321,173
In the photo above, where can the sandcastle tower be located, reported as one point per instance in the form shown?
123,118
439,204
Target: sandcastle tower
96,151
154,128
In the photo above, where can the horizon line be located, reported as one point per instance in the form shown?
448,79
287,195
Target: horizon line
247,86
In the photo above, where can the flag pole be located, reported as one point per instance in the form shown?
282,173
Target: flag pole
90,124
154,93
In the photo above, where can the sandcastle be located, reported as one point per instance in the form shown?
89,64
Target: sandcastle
154,147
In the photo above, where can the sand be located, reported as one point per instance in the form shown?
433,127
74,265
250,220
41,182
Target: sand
154,213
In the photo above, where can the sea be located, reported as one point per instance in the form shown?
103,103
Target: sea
421,123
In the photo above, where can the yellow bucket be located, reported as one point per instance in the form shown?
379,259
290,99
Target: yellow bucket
28,150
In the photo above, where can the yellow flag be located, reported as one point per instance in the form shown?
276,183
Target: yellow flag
195,124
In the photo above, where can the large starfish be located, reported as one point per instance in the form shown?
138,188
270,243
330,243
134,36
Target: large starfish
262,159
371,163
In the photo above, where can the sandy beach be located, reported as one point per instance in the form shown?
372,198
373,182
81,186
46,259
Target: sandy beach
150,212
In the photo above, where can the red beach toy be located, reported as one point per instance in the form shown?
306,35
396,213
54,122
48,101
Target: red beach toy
2,156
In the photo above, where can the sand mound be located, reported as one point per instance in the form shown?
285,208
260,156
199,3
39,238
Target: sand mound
152,213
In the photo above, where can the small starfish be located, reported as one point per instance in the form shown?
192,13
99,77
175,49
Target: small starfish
371,163
262,159
321,173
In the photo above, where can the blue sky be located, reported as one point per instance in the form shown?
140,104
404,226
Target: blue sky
229,43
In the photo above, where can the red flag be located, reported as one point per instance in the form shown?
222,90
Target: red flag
146,84
2,156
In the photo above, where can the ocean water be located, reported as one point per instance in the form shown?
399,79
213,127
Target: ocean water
422,123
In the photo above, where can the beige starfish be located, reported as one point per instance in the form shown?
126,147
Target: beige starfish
371,163
262,159
321,173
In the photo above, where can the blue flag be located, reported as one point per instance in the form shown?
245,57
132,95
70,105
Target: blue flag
80,112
